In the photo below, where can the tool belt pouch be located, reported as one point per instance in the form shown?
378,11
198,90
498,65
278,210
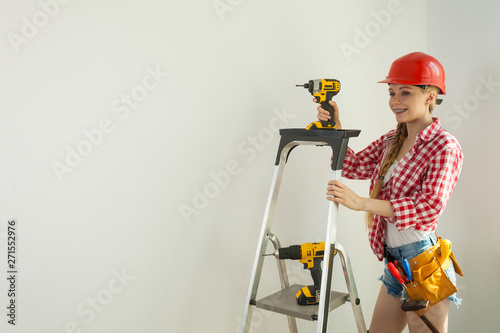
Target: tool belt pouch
430,282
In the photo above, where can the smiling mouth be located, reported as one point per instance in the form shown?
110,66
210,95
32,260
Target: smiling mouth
398,111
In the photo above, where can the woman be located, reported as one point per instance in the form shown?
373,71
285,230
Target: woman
413,171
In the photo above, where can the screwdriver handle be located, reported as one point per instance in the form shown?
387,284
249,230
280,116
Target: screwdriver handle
406,267
394,271
399,267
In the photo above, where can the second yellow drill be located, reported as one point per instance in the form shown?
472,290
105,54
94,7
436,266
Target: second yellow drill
311,255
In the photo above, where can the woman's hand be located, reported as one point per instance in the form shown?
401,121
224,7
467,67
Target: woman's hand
324,115
342,194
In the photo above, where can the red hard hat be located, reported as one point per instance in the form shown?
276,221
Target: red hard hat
417,68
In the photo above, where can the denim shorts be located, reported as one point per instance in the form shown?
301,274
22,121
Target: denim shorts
407,252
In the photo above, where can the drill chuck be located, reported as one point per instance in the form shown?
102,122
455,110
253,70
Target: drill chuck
292,252
309,86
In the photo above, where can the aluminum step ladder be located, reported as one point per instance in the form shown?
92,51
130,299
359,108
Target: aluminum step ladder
284,301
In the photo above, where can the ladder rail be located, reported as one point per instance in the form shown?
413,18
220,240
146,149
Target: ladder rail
261,248
351,288
331,234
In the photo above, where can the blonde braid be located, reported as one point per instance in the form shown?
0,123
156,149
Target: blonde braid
399,137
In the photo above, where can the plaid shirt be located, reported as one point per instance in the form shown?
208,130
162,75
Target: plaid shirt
421,184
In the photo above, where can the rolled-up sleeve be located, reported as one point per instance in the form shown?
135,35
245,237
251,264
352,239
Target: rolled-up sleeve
362,165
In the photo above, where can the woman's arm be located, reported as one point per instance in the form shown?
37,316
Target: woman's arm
359,165
342,194
422,208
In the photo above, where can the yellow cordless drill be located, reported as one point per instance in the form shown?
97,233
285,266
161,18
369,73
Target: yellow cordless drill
311,255
323,90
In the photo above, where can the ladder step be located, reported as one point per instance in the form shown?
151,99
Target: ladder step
284,302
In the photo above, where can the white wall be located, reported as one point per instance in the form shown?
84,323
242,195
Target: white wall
462,34
116,115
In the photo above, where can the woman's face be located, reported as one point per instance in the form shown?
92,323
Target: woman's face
410,103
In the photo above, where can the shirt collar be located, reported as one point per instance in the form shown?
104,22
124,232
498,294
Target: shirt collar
427,134
431,131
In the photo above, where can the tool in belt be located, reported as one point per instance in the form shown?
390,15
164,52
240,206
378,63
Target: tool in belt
423,277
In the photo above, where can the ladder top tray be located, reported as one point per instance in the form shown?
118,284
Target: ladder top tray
313,135
336,139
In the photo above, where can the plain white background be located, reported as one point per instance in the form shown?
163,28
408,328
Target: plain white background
138,141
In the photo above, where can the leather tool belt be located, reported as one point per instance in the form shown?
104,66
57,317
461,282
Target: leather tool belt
429,281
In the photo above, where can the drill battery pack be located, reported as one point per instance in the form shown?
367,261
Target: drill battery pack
308,295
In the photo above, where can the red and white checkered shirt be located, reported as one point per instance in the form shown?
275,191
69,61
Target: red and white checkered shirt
421,184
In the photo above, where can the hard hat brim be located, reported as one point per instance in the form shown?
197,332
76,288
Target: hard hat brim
413,83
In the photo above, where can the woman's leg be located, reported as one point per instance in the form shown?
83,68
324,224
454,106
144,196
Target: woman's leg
387,315
437,315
